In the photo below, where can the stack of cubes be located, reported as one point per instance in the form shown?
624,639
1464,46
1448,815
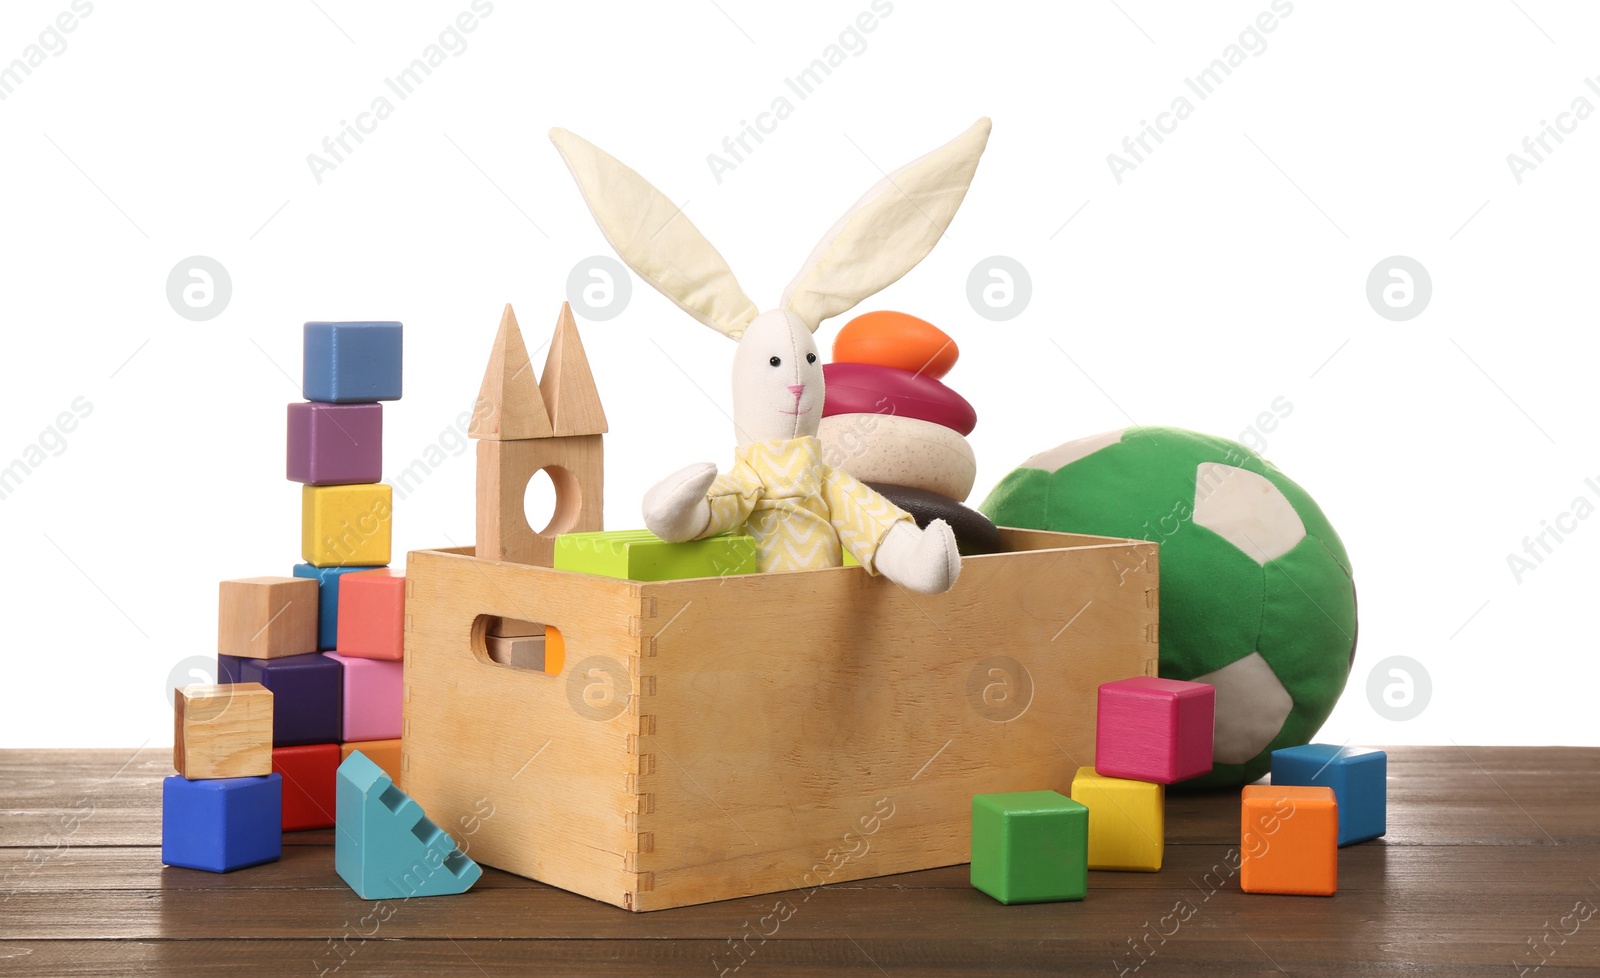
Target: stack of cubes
1149,733
889,421
275,631
221,811
336,453
1036,846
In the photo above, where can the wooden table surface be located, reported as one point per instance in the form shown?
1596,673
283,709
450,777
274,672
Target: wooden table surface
1491,867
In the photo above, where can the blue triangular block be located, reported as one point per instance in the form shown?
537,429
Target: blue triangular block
385,847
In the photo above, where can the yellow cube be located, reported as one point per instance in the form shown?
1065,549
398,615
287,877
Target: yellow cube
345,526
1126,821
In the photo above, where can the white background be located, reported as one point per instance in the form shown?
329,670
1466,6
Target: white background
1227,270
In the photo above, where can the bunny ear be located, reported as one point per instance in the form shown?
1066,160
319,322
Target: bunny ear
887,232
654,237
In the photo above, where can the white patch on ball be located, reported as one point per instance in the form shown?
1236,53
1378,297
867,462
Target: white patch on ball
1246,510
1065,454
1251,707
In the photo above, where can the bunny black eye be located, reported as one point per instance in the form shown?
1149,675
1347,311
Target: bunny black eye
775,362
811,358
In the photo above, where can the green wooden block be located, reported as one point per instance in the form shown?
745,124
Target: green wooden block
639,555
1030,847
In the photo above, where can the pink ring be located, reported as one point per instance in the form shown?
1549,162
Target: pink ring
865,388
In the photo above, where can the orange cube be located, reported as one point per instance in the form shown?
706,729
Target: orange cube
384,753
372,614
1289,840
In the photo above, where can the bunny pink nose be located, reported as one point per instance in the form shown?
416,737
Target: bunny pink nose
797,390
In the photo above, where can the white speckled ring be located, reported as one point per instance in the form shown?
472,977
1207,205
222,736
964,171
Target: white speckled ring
900,451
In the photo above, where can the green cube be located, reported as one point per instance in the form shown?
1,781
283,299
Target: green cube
639,555
1030,847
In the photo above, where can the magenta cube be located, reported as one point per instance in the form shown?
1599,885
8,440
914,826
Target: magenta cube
335,444
1156,730
372,697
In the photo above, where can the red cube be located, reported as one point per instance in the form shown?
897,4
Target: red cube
310,782
372,615
1157,730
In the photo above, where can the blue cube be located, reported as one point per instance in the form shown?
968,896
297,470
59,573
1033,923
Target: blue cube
351,363
223,825
327,579
307,695
1358,777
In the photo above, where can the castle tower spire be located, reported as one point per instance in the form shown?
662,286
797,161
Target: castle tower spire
570,397
509,403
517,439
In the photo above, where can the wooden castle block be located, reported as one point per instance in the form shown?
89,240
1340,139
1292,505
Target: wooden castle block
504,470
267,617
567,384
222,731
517,651
509,405
514,627
513,422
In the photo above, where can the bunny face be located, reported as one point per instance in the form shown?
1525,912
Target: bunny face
777,375
777,380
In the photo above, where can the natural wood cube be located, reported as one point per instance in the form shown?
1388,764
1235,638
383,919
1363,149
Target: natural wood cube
222,731
267,617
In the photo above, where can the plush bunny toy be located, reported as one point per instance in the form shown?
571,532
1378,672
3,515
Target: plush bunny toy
799,510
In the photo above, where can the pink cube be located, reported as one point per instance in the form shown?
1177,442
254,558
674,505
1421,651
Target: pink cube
1156,730
372,697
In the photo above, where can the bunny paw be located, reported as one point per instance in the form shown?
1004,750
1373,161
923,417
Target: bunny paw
675,509
925,561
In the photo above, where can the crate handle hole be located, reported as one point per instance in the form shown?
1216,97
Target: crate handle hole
518,644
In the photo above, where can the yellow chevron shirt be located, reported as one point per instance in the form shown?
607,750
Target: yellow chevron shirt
799,510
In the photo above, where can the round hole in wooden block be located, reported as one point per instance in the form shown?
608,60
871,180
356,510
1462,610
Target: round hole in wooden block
553,500
539,501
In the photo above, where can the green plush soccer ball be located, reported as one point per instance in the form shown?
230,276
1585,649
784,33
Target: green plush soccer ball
1256,593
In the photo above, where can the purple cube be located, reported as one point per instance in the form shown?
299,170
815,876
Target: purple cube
335,444
307,695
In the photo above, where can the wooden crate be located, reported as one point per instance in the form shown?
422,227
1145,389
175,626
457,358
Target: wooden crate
723,737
